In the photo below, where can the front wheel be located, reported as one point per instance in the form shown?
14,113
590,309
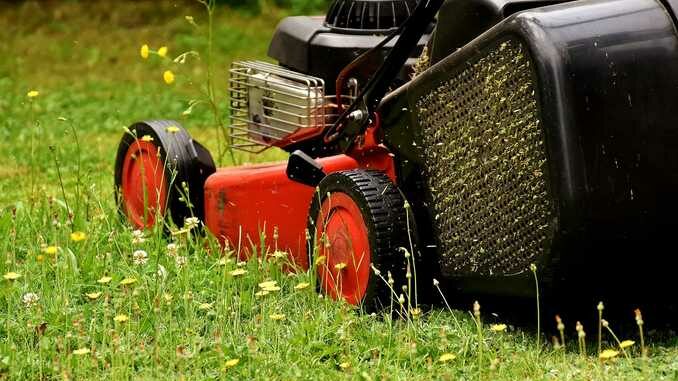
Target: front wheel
358,220
160,171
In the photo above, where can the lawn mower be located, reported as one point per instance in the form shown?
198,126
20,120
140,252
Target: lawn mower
465,139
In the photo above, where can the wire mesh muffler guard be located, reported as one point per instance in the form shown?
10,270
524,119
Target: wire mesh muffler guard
270,103
485,163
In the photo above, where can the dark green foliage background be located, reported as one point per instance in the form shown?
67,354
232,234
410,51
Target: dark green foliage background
295,6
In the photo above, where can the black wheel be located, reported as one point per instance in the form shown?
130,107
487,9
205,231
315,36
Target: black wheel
358,221
160,172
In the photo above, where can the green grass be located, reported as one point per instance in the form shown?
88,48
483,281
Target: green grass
84,60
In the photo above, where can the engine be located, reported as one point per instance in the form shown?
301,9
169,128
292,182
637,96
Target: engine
288,104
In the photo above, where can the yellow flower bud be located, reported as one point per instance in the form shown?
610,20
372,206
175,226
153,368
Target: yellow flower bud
168,76
144,51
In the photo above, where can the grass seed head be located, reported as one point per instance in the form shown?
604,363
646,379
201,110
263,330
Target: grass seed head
476,309
639,317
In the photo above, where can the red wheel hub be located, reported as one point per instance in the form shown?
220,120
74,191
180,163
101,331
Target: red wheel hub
344,243
144,186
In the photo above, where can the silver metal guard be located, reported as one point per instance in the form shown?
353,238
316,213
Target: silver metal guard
269,103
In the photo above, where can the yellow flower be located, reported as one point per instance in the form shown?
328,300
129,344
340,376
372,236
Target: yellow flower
93,295
104,279
144,51
205,306
162,52
276,317
608,354
81,351
33,93
40,258
498,327
78,236
301,286
121,318
344,365
231,363
320,260
446,357
340,266
268,284
147,138
279,254
180,232
51,250
173,129
128,281
168,76
261,293
12,276
238,272
626,343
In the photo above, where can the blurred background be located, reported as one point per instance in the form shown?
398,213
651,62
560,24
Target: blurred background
84,59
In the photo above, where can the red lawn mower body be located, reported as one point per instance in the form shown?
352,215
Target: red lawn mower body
242,203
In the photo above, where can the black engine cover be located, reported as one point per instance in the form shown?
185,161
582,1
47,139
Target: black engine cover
307,45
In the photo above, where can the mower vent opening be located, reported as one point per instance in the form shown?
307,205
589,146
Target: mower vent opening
486,165
273,106
371,16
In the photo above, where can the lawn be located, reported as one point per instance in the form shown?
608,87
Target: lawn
113,304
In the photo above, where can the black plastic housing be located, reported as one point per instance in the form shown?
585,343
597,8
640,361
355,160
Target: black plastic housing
607,79
464,20
306,45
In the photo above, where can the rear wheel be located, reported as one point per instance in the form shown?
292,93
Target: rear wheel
359,221
160,171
